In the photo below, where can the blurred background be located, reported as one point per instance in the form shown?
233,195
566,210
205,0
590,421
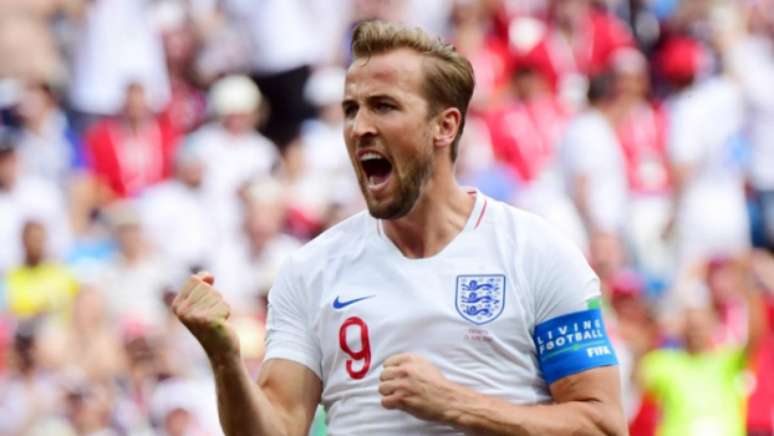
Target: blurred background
141,140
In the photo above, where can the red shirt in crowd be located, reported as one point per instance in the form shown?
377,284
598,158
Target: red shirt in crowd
128,162
524,134
587,54
760,403
642,135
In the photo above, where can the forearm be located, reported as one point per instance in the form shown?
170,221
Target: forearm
493,416
243,408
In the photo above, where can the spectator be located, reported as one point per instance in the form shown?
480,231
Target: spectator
318,166
184,408
641,128
88,408
593,166
28,393
488,53
135,282
249,271
39,286
104,54
176,214
186,108
85,343
750,57
706,147
698,386
525,132
48,147
576,42
24,197
132,151
281,65
233,151
28,46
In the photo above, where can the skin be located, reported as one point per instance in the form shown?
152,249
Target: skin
385,112
34,241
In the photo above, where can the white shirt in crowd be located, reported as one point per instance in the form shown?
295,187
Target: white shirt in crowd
32,198
178,220
48,154
349,299
135,292
107,55
705,135
590,148
327,177
752,62
231,161
244,276
280,33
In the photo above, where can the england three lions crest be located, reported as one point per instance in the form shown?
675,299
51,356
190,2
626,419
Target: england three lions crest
480,298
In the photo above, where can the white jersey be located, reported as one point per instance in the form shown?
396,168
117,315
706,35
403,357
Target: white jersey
349,299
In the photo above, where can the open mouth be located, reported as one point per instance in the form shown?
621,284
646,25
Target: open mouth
376,168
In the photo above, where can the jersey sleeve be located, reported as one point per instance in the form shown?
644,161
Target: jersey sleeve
569,332
289,335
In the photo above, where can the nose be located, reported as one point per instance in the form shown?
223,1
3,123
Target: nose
361,126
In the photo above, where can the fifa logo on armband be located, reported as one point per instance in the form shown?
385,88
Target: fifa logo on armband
602,350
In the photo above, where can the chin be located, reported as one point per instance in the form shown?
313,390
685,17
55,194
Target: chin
387,211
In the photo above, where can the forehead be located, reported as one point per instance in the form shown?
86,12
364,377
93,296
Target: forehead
393,73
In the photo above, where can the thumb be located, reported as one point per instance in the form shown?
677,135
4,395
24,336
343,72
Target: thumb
206,277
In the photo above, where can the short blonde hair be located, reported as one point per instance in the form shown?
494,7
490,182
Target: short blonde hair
448,80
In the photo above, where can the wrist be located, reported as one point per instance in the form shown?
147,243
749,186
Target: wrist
458,404
224,361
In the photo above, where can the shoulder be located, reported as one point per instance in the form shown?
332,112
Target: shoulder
204,134
662,358
37,189
524,228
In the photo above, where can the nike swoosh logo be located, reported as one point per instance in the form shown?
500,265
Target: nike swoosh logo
342,304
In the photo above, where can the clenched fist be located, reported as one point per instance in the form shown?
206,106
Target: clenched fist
412,384
204,312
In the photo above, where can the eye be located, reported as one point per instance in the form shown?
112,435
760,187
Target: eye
383,107
350,110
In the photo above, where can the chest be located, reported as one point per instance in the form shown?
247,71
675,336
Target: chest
458,313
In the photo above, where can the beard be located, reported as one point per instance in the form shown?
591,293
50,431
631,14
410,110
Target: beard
410,183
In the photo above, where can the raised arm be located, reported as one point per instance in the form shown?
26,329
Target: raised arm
284,400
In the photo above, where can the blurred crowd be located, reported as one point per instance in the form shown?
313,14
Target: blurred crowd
142,140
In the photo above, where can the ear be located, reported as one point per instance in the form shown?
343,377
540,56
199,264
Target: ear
447,124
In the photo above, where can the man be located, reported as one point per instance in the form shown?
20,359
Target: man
132,151
25,197
439,312
233,153
699,386
39,285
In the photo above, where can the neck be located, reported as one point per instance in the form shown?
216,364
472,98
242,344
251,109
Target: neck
438,216
135,123
33,261
37,123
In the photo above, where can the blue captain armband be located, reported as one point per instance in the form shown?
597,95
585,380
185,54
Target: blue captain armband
572,343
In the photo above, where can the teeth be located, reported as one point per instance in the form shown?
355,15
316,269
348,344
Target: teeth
369,156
